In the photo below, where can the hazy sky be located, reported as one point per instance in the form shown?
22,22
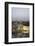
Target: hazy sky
20,14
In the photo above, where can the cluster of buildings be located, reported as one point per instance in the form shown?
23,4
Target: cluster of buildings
19,28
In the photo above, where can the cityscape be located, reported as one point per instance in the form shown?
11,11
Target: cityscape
20,22
20,29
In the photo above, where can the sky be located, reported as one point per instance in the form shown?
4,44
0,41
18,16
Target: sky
20,14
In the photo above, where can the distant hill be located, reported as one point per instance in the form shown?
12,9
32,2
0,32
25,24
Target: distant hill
26,23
